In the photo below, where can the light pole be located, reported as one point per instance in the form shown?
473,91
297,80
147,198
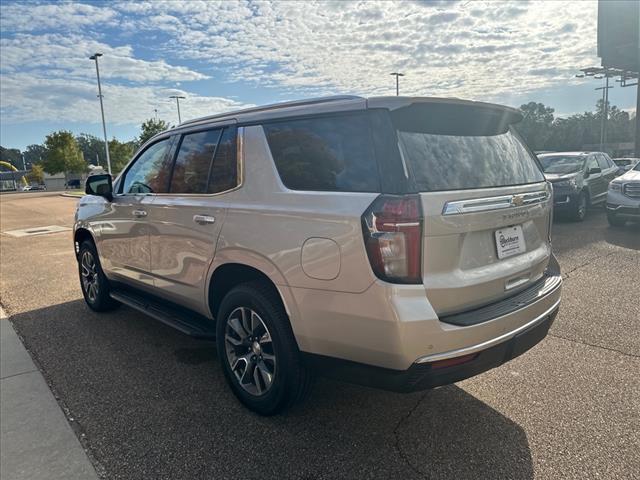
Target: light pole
178,97
104,125
397,75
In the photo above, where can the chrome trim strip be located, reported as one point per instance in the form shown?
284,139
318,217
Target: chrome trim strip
489,343
475,205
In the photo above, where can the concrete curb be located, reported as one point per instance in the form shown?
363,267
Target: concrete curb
68,195
37,441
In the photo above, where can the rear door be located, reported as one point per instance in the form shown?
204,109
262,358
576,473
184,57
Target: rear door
485,203
187,219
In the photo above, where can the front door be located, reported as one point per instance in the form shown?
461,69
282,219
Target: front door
124,235
187,220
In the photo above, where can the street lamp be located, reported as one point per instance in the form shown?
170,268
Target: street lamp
178,97
104,125
397,82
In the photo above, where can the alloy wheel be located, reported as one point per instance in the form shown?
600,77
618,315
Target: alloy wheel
89,276
250,351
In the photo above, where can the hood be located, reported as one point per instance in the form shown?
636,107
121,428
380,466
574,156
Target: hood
555,177
631,175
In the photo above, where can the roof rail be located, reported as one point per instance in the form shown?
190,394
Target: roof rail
273,106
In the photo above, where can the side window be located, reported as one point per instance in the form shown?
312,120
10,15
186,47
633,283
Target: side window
324,153
602,162
150,172
193,163
591,162
224,171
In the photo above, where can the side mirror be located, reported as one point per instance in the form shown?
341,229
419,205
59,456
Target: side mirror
594,170
100,185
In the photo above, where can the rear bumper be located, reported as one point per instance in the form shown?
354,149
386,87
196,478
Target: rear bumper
422,376
395,326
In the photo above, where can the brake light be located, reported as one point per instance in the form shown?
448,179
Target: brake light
392,229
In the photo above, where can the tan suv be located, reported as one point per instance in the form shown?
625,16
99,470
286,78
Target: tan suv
396,242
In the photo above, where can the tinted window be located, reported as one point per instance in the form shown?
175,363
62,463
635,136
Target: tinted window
449,146
224,172
150,172
453,162
602,162
324,153
561,163
193,162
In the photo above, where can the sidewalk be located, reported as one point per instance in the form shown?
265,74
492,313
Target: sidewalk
36,442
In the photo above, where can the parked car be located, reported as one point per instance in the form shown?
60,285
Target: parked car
623,198
397,242
626,164
74,183
579,180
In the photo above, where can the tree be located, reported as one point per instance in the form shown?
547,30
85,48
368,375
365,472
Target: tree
36,175
92,148
63,154
536,126
34,154
12,156
150,128
120,154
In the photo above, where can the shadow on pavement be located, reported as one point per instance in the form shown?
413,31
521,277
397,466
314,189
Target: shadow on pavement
149,402
627,236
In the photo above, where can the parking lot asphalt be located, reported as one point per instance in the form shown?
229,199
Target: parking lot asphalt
148,402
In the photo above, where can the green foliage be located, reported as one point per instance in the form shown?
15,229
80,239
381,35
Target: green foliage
36,175
536,127
92,148
12,156
120,154
543,132
150,128
63,154
34,154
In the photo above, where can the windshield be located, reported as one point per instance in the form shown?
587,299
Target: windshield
561,163
637,167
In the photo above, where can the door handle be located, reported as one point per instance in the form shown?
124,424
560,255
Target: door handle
204,219
139,213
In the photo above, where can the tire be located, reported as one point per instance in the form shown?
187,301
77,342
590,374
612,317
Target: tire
258,352
615,221
94,284
580,209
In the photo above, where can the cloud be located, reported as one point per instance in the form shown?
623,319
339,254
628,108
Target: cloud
479,50
25,97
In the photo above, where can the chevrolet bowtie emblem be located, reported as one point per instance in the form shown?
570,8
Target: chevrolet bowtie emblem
517,201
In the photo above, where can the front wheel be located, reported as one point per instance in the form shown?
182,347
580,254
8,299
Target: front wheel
258,351
94,284
580,208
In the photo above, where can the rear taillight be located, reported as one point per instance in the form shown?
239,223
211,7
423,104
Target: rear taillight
392,228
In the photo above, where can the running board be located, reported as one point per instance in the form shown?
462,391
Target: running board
183,320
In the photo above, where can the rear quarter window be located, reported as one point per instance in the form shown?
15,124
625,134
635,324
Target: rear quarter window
324,153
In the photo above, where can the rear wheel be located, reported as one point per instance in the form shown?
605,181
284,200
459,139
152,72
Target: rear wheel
258,351
580,208
94,284
615,221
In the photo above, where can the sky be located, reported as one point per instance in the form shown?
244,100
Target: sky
233,54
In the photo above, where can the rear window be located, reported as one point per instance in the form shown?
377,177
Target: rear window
455,147
324,153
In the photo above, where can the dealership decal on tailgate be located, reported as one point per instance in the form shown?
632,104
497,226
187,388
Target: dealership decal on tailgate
510,241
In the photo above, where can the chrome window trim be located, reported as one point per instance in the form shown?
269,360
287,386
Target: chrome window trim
487,204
